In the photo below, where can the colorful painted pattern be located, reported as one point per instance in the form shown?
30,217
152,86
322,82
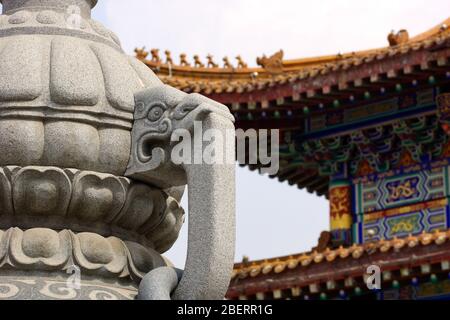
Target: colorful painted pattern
402,225
340,201
392,206
398,191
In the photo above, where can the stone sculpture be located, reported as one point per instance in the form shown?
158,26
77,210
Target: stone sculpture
81,189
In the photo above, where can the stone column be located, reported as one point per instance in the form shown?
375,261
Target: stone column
72,226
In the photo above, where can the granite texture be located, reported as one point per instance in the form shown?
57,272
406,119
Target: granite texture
159,284
53,286
10,6
89,201
211,187
73,110
45,250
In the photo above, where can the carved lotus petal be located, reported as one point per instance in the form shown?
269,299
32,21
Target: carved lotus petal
96,197
47,17
95,248
144,259
41,191
142,203
167,231
49,250
39,246
40,243
19,17
130,210
94,252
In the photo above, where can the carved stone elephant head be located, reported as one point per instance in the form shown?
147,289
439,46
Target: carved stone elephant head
160,113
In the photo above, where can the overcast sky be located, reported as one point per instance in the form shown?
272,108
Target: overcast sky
273,219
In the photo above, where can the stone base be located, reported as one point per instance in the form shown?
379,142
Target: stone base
47,264
34,286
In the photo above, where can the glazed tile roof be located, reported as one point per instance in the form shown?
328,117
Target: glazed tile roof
316,268
295,96
279,265
218,80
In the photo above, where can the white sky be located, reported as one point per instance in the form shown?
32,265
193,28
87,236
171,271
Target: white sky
273,219
253,27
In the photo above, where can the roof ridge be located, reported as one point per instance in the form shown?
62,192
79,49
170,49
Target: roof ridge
213,71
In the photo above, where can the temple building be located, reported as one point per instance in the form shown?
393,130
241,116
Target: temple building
368,130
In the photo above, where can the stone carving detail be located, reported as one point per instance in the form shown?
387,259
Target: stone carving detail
51,251
47,17
12,288
84,200
159,112
41,191
54,19
89,114
76,114
96,197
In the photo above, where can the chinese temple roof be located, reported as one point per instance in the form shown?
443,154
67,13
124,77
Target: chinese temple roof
323,106
211,78
332,271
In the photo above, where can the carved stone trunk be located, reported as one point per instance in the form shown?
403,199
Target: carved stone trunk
67,101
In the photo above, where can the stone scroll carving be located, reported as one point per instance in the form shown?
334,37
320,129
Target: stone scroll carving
22,288
159,113
89,201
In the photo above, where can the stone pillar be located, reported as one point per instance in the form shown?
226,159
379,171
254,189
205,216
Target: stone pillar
72,226
340,212
89,195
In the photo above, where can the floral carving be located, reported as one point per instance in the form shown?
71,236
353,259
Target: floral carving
96,196
46,249
41,191
89,201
